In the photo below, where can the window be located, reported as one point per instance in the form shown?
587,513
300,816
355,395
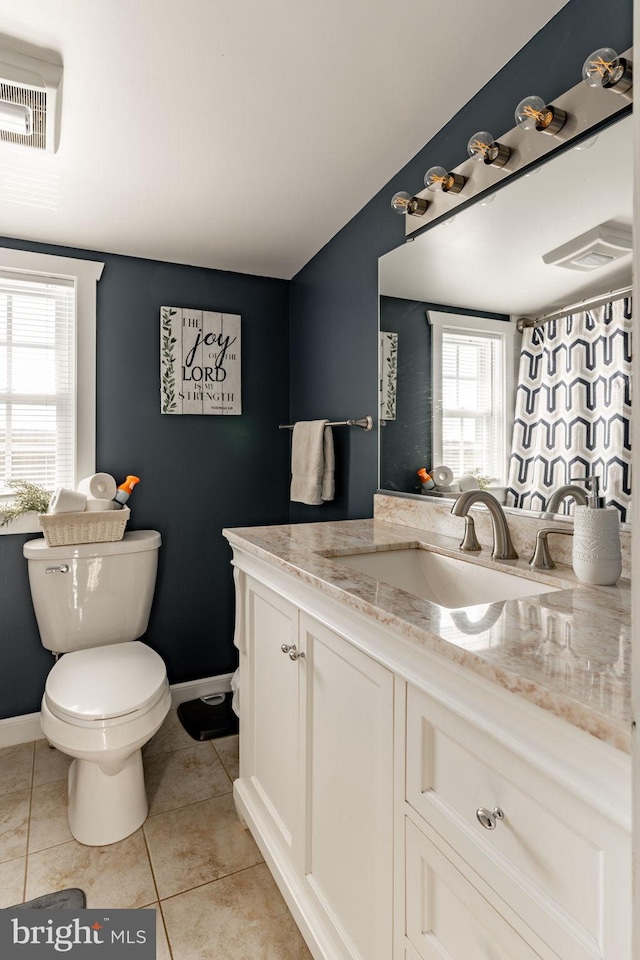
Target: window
47,372
472,388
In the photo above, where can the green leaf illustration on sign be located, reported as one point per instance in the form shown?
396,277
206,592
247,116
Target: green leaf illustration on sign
168,361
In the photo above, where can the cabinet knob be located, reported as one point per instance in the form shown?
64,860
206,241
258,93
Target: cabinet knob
296,654
285,647
489,818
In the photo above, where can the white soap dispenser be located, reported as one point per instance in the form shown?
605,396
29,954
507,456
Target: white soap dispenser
596,538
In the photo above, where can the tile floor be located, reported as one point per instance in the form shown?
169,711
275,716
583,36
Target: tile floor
191,861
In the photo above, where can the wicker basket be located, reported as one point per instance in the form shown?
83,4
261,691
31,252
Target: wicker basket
98,526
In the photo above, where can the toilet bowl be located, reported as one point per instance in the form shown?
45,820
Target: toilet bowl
101,706
109,693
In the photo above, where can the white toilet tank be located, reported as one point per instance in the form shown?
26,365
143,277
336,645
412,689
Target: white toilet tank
91,594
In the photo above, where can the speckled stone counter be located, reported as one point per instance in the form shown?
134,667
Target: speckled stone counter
567,651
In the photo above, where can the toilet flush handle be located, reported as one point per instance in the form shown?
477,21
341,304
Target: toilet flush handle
63,568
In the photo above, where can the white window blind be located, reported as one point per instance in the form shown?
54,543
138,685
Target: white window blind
37,380
472,366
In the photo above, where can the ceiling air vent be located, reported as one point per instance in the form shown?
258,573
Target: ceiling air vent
29,101
605,243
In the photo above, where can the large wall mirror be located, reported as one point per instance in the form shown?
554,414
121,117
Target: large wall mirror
522,412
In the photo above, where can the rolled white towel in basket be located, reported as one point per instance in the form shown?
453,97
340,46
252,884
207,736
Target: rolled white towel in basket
312,462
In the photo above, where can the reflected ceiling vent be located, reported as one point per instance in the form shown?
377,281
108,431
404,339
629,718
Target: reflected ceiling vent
29,101
596,248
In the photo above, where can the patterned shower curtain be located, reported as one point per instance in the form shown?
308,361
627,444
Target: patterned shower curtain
573,407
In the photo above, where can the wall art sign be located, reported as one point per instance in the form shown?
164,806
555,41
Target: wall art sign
388,374
199,362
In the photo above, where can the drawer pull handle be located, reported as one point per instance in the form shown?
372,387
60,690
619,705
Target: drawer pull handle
285,647
489,818
296,654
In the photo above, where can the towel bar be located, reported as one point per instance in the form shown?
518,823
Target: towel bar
366,423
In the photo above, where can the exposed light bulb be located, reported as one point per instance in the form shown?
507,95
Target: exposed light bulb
404,203
437,178
533,113
483,146
604,68
586,144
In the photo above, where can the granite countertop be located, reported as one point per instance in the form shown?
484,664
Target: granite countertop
568,651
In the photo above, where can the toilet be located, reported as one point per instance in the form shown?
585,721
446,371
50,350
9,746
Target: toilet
109,693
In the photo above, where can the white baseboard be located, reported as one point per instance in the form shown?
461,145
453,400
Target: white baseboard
192,689
23,729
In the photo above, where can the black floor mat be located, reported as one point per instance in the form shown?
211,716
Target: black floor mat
72,899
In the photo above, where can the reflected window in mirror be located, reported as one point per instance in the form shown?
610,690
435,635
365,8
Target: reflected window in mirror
473,395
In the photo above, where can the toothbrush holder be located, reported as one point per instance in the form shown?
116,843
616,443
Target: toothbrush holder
597,557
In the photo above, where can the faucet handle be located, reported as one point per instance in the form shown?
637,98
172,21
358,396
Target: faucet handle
541,559
470,541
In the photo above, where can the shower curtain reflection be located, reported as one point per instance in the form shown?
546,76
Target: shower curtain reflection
573,407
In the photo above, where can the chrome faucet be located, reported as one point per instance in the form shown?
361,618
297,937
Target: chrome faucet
502,545
568,490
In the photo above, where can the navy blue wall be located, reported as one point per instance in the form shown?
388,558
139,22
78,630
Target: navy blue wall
198,473
334,298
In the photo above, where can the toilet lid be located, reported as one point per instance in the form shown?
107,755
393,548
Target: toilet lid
106,682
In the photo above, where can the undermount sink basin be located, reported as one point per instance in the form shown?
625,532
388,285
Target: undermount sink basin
447,581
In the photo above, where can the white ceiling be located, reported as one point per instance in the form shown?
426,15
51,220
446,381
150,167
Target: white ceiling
489,257
240,135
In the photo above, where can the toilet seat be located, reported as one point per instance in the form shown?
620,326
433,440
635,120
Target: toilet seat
106,685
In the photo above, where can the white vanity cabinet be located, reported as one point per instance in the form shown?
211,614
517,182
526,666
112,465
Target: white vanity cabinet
554,864
410,809
316,772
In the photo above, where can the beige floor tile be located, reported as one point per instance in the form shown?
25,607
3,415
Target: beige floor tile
12,882
162,944
184,776
170,736
16,768
49,818
198,843
242,917
49,764
116,876
14,824
227,750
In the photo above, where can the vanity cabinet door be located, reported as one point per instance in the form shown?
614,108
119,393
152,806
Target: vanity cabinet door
269,727
447,917
347,725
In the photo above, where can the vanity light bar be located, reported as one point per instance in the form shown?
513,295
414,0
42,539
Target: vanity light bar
603,69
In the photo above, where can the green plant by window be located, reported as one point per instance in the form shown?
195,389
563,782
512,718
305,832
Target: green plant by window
29,497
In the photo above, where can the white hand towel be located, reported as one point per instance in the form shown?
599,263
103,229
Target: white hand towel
312,462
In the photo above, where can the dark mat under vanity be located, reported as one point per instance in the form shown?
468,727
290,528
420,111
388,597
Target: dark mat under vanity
72,899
